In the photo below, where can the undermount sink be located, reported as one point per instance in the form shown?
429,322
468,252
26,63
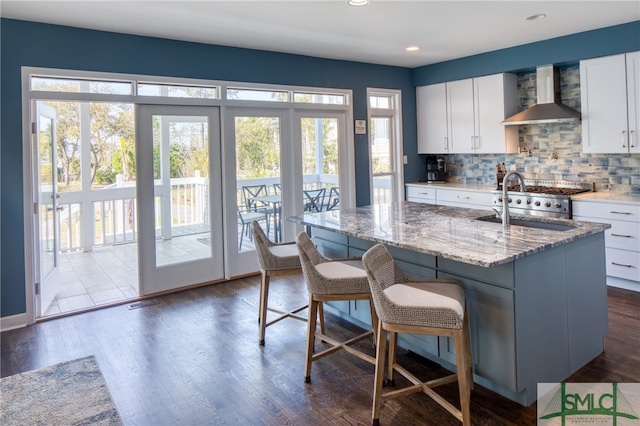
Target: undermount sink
529,223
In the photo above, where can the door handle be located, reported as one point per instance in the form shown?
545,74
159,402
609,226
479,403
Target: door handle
60,208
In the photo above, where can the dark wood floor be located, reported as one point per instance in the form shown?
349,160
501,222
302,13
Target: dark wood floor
194,359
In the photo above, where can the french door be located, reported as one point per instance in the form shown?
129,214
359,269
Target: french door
272,158
179,192
48,272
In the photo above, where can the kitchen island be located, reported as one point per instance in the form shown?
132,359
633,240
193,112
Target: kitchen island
536,294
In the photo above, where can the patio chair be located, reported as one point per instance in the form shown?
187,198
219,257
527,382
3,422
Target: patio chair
245,217
250,192
314,199
333,200
277,188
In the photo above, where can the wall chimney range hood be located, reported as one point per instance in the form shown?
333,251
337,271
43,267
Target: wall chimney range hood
548,109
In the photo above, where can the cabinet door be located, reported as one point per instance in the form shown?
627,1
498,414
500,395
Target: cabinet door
495,98
604,105
491,328
633,100
460,113
432,119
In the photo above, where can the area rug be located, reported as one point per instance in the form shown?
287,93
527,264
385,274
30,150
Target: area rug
69,393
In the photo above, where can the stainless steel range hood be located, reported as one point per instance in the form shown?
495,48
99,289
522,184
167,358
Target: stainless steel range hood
548,109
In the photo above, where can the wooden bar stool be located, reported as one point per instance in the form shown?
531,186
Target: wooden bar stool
431,307
276,260
327,280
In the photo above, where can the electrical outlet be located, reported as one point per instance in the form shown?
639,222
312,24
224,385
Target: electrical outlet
512,167
405,159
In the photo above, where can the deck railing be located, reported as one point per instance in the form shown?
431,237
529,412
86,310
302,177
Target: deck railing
108,216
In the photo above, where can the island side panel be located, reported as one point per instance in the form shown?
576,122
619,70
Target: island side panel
587,300
541,319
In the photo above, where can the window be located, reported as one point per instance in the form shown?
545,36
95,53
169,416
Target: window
385,145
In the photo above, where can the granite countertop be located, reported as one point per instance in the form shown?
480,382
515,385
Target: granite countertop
449,232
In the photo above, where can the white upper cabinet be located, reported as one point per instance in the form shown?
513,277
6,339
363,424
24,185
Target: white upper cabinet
433,128
610,103
495,97
465,116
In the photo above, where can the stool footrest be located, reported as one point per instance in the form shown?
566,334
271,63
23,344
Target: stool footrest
337,345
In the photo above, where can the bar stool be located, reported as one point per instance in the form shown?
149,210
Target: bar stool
276,260
432,307
328,280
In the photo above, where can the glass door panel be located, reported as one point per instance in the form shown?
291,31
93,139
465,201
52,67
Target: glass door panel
180,195
47,223
256,184
381,160
320,167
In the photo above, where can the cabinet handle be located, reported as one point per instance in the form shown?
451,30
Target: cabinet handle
463,198
622,264
620,235
615,212
472,140
444,140
423,193
624,138
631,138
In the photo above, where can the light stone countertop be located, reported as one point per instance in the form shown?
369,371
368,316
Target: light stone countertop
450,232
455,185
608,197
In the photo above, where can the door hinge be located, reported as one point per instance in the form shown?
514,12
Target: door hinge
35,208
33,128
37,288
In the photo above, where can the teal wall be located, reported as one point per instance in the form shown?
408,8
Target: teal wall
42,45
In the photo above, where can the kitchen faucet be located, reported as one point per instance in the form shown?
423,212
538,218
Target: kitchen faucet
505,197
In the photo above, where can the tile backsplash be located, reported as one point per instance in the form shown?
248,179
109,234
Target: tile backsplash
609,172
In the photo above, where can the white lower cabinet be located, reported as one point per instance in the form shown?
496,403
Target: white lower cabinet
460,198
455,197
622,240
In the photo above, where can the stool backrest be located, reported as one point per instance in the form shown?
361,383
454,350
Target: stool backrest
382,272
267,260
309,258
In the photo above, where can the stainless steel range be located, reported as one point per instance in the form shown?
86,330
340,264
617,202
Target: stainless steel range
550,198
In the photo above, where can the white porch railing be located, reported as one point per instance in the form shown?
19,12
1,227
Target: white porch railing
108,216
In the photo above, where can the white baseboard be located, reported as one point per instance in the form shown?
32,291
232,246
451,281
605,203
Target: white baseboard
13,321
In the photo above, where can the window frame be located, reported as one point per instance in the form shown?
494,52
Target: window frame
394,113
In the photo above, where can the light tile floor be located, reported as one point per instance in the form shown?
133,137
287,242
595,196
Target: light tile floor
110,274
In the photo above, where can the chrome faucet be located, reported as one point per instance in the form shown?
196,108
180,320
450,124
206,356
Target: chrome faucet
505,197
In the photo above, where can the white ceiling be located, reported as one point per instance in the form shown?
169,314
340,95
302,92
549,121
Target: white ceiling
378,33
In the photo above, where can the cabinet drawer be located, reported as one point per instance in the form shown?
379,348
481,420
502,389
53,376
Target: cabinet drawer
329,236
609,211
621,235
623,264
421,194
474,198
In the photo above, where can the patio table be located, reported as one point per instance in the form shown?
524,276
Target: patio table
274,201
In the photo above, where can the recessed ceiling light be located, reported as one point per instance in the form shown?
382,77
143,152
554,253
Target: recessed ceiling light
359,3
536,17
412,48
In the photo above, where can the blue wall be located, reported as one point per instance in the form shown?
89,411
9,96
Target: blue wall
23,44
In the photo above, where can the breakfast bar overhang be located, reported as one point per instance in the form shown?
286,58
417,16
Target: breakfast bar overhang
536,292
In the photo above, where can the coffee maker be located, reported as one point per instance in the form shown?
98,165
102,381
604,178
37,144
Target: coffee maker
435,168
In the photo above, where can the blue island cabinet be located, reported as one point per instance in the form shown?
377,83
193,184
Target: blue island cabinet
536,319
